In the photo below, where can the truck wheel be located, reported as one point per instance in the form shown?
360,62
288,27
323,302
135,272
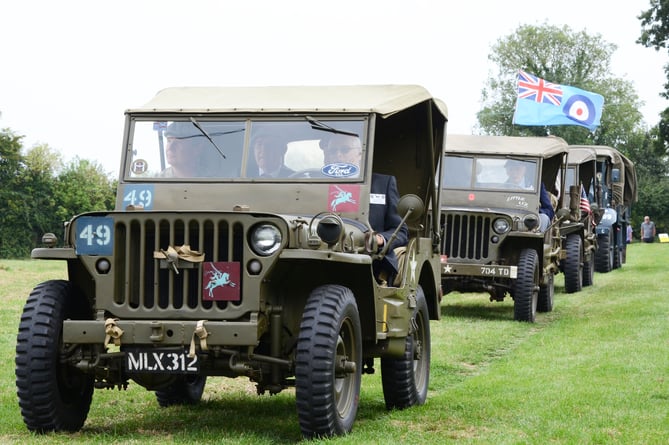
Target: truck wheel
526,287
573,269
53,396
604,255
617,257
546,294
185,390
405,380
589,269
328,362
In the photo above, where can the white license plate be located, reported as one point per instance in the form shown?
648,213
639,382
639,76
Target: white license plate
161,361
500,271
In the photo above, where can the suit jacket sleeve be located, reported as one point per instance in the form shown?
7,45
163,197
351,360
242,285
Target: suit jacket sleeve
384,218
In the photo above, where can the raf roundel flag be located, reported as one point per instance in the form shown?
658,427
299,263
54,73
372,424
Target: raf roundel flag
540,102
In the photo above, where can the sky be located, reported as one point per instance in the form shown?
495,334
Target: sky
72,67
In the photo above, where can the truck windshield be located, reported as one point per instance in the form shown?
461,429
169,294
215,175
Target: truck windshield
246,149
489,173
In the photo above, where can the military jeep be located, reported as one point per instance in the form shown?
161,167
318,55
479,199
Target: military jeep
584,203
227,272
617,185
492,240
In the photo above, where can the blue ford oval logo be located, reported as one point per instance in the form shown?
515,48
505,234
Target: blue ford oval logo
340,170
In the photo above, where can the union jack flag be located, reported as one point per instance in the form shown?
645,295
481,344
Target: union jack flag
585,202
537,89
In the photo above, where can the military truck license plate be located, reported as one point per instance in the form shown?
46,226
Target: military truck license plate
165,361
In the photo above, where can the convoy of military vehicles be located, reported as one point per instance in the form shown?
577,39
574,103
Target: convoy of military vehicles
229,272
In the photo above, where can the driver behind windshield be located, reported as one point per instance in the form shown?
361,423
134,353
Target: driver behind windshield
184,151
344,149
515,171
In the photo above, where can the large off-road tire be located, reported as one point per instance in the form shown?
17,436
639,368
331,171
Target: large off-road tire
53,396
573,268
604,255
328,362
185,390
589,269
526,287
546,294
405,380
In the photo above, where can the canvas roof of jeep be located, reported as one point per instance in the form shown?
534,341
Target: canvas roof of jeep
580,154
626,191
382,99
506,145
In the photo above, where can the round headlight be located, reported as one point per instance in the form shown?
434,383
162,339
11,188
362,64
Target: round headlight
500,226
265,239
329,229
531,221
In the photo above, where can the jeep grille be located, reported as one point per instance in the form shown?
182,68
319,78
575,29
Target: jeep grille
140,284
467,236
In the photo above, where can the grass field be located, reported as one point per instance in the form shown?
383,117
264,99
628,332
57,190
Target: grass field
593,371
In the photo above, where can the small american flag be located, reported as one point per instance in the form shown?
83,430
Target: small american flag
585,202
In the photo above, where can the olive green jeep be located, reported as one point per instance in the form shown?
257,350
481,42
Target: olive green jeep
493,239
617,190
585,208
214,267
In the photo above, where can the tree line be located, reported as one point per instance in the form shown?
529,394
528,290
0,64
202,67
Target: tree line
39,192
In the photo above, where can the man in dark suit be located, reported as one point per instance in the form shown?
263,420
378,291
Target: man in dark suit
383,199
269,153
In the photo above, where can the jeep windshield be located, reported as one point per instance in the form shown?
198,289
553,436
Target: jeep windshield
245,149
489,173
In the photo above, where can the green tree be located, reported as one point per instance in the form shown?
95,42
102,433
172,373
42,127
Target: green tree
563,56
38,182
14,228
38,193
655,31
83,186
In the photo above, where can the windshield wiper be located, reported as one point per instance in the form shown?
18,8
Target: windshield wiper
197,125
318,125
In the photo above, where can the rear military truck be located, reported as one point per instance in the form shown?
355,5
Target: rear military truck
492,236
580,239
215,265
616,177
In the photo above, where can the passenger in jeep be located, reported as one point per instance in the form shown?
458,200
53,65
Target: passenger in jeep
383,199
185,146
269,154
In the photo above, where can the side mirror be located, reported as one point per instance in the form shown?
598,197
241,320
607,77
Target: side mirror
411,208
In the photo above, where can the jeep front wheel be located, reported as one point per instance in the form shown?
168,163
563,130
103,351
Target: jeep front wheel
328,363
526,287
405,380
589,269
546,294
53,395
573,269
604,255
